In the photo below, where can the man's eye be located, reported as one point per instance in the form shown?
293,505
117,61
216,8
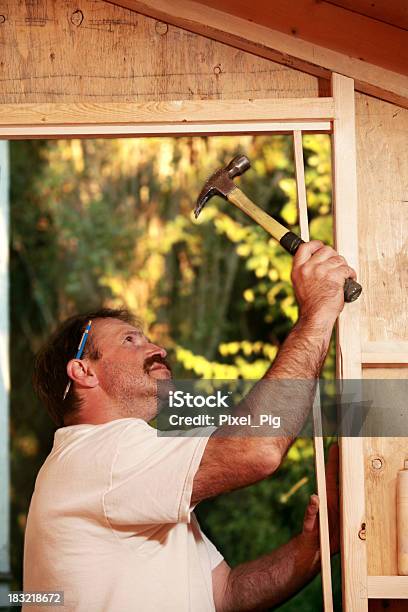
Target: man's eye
129,338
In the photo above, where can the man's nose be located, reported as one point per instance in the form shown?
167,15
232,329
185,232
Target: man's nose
157,350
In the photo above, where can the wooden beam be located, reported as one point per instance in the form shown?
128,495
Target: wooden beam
328,26
277,46
394,13
51,120
377,354
119,130
383,360
317,414
387,587
301,185
348,362
178,111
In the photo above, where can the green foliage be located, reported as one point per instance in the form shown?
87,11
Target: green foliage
110,222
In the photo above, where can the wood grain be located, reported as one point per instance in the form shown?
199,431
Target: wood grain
394,13
390,587
175,111
317,415
352,506
380,494
98,52
377,354
382,162
326,25
103,130
380,489
287,49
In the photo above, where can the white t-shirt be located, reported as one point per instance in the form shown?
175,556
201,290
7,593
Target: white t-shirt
111,524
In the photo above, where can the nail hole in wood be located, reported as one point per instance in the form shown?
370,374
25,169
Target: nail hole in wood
161,28
376,463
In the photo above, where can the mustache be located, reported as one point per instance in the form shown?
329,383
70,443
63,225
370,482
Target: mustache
150,361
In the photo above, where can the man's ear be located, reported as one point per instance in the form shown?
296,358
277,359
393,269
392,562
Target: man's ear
81,372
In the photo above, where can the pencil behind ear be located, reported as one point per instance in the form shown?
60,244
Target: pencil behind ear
82,372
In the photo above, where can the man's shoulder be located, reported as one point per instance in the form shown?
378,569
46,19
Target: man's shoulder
90,447
74,434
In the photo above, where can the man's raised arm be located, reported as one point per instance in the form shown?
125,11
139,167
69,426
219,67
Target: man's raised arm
235,457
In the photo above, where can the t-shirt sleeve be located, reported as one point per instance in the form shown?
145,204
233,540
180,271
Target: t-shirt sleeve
213,553
152,477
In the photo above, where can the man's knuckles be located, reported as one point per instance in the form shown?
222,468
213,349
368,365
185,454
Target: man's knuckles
337,260
323,254
306,251
322,264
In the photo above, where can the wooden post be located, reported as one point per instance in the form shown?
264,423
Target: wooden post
352,504
317,416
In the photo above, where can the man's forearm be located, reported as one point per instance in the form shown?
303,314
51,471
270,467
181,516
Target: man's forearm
288,388
272,579
303,352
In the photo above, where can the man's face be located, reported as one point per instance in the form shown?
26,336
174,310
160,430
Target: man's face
130,365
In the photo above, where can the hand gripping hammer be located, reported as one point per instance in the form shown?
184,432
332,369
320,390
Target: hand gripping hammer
220,183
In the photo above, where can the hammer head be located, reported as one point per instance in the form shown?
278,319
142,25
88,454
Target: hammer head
220,183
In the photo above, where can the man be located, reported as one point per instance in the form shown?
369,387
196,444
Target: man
111,521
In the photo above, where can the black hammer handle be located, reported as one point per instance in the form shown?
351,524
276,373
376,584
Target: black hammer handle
291,243
287,239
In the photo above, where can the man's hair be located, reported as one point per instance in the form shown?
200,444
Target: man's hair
50,366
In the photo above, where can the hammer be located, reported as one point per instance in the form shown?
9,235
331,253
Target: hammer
220,183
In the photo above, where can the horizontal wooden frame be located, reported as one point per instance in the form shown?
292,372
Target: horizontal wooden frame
384,354
175,111
161,129
166,118
387,587
276,46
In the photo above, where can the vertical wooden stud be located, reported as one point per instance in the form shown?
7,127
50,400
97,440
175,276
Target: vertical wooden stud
317,416
354,561
301,185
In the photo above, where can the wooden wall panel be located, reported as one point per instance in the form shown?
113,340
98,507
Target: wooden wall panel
91,50
384,457
380,488
382,164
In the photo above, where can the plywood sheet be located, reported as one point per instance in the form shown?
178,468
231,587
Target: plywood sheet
382,164
93,50
384,457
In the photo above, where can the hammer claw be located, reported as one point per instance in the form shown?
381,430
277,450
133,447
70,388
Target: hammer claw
205,195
